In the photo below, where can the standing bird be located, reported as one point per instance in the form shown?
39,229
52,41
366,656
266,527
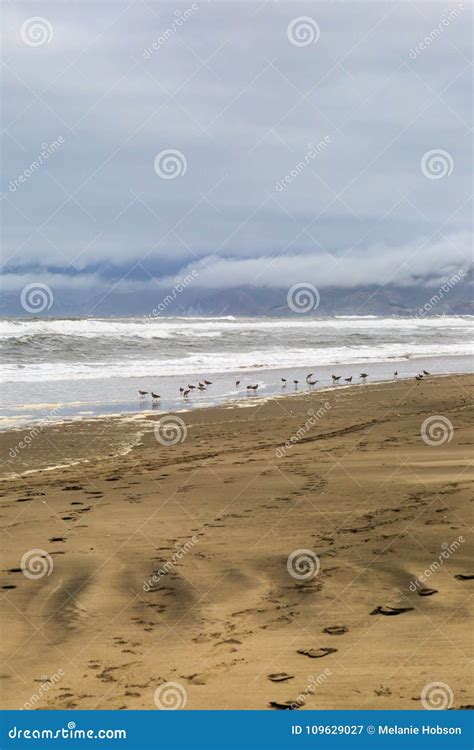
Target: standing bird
296,382
336,378
181,390
186,393
418,378
208,382
311,382
252,387
143,393
363,375
191,387
201,387
348,380
283,382
395,374
308,377
237,383
425,372
154,395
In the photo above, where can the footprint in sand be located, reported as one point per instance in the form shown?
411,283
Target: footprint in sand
316,653
381,610
336,629
427,592
287,706
280,677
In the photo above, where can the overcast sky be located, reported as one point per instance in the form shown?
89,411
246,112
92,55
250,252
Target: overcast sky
244,92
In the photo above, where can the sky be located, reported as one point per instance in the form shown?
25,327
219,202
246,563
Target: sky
248,143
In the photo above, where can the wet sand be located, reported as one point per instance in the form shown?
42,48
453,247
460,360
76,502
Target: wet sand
170,563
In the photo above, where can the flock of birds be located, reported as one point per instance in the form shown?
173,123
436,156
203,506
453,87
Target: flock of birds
202,386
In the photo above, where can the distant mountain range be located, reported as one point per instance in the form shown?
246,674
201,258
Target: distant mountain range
252,301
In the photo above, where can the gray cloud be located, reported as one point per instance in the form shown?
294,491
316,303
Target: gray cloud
245,107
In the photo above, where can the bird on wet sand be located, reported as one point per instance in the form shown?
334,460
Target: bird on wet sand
418,378
335,378
143,393
201,387
348,380
363,375
395,374
252,387
425,372
181,390
296,383
155,395
191,387
208,382
308,377
283,382
311,382
186,393
237,383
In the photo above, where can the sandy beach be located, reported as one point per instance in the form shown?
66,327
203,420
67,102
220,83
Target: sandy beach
308,551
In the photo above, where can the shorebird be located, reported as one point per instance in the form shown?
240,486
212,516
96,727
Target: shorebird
311,382
348,380
186,393
154,395
395,374
237,383
143,393
191,387
296,382
418,378
335,378
309,376
425,372
283,380
252,387
181,390
363,375
201,387
208,382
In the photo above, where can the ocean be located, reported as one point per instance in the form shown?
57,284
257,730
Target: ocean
62,368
